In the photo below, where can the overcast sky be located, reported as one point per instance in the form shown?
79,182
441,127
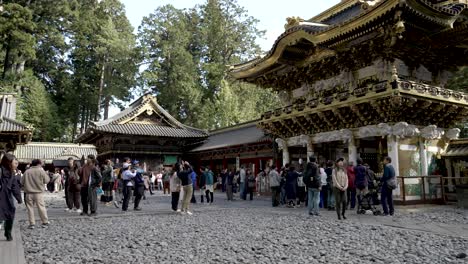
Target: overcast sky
271,13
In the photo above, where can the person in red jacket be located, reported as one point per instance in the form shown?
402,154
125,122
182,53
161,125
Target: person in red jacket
351,192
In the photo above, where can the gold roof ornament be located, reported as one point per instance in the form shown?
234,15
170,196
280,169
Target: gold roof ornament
292,22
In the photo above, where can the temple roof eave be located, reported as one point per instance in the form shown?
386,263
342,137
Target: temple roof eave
335,33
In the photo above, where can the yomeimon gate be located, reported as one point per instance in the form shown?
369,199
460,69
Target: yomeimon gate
143,131
367,78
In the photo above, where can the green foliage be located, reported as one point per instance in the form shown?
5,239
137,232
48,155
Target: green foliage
459,81
187,53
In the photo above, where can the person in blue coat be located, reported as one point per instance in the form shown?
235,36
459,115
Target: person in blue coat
193,175
387,190
291,186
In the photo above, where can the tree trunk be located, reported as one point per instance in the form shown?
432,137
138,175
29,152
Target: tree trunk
88,117
106,106
83,113
6,62
101,87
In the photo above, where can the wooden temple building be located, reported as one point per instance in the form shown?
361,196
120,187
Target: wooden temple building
144,131
239,145
366,78
12,131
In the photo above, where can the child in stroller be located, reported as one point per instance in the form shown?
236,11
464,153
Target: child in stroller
369,200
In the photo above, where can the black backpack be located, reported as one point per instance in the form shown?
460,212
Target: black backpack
311,176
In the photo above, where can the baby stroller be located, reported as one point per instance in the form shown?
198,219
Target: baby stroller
367,203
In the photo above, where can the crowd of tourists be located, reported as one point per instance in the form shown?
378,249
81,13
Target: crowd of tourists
334,186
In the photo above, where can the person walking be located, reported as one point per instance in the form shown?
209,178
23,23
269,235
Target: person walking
340,185
351,191
175,185
33,181
90,179
361,181
72,186
243,176
251,181
127,175
275,181
330,192
202,185
57,179
107,182
209,188
291,186
146,180
388,181
159,180
9,188
183,173
314,184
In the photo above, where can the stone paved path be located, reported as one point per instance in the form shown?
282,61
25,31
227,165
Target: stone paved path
248,224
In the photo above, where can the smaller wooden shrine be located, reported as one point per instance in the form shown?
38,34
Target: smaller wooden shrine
12,131
144,131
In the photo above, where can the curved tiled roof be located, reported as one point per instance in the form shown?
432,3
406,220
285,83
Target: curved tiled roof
10,125
52,151
150,130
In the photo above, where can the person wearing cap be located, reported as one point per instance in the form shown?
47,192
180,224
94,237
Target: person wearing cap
340,185
127,176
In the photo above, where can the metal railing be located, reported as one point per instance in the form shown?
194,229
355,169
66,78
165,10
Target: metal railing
433,189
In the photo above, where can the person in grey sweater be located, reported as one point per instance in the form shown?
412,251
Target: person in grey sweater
275,180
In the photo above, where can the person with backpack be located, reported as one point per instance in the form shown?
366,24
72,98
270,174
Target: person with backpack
388,181
340,184
361,181
90,179
314,185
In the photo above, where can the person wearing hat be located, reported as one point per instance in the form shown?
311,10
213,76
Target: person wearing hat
340,185
127,176
139,188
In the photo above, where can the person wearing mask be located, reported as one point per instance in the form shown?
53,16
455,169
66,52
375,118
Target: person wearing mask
275,181
33,181
388,181
139,188
90,179
324,191
209,188
340,185
72,186
330,193
351,191
127,175
361,182
183,173
251,181
243,175
9,188
107,182
175,186
291,186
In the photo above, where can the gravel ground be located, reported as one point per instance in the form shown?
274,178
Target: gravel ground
237,235
437,215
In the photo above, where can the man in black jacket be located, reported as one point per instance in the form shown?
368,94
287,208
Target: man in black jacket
312,181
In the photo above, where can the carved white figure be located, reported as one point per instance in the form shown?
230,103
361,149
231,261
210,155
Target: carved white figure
432,132
453,133
385,129
346,135
281,143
